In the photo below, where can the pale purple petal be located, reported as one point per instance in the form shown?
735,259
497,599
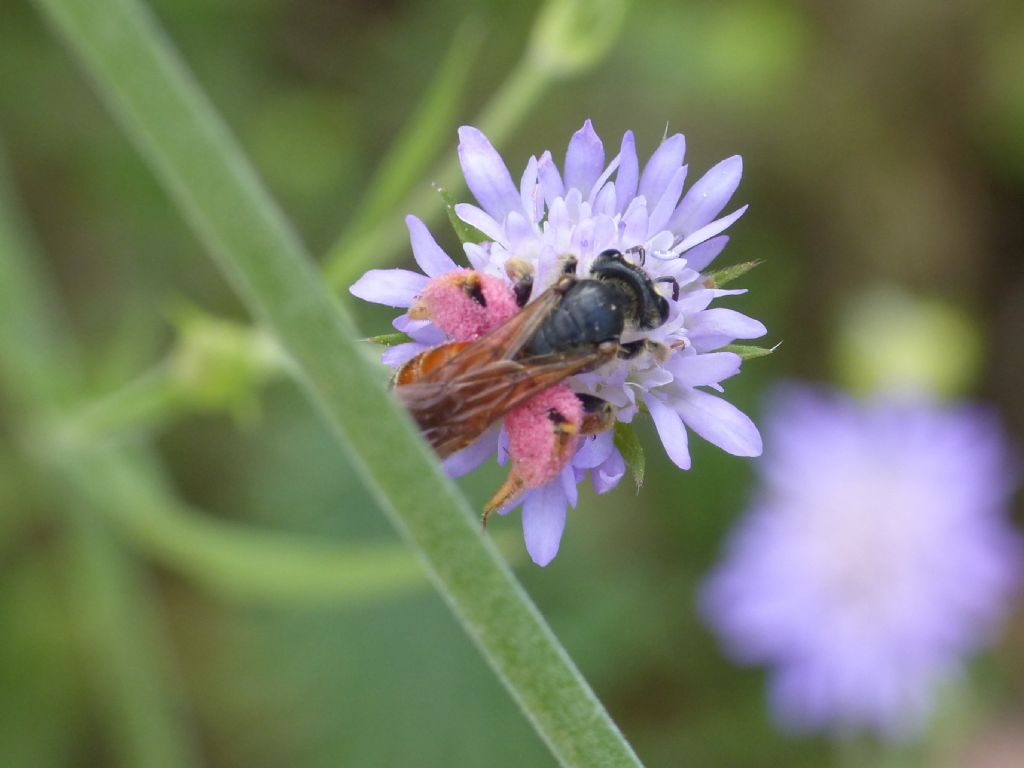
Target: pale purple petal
604,203
707,197
475,217
670,430
428,254
518,231
550,179
423,331
667,203
716,327
569,484
473,455
719,422
698,257
629,169
594,450
530,192
401,353
703,370
602,181
393,287
477,255
584,159
608,475
710,230
635,224
543,521
660,168
486,175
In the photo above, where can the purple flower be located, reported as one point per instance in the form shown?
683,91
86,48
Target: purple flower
592,205
875,558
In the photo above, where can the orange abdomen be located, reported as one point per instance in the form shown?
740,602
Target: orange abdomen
428,361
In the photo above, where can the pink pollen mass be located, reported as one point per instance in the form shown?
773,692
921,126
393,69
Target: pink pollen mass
542,434
461,316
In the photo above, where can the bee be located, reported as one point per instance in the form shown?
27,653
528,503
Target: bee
457,390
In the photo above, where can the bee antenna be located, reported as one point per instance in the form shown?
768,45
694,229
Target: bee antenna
675,285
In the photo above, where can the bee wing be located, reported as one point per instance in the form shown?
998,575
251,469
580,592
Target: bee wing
503,343
453,412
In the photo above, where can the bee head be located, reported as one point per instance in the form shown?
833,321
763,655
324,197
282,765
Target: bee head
648,309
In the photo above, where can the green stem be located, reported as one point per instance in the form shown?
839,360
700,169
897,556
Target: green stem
149,400
110,595
190,150
112,599
232,560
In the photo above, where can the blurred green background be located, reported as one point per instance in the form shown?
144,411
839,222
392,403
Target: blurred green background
883,146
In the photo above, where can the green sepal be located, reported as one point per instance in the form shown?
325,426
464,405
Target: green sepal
725,275
632,451
749,352
465,232
390,339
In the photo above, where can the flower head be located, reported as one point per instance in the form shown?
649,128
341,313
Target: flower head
876,556
589,206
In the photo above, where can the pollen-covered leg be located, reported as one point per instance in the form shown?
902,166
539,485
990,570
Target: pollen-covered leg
598,414
465,304
520,272
542,437
633,349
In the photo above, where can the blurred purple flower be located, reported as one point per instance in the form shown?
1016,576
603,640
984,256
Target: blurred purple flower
875,558
583,211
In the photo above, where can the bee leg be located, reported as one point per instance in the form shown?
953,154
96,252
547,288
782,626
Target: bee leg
639,251
633,349
598,414
675,285
509,491
542,437
520,272
569,263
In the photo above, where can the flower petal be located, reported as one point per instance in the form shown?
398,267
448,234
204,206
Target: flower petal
720,423
666,204
543,521
626,178
698,257
659,170
550,179
584,160
393,287
530,192
707,197
482,220
428,254
486,175
716,327
608,475
473,455
709,231
703,370
594,450
401,353
635,224
670,430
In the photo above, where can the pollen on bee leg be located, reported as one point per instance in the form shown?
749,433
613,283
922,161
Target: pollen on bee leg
542,438
465,304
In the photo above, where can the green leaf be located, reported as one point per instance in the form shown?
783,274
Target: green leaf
749,352
184,140
727,274
632,451
465,232
390,339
